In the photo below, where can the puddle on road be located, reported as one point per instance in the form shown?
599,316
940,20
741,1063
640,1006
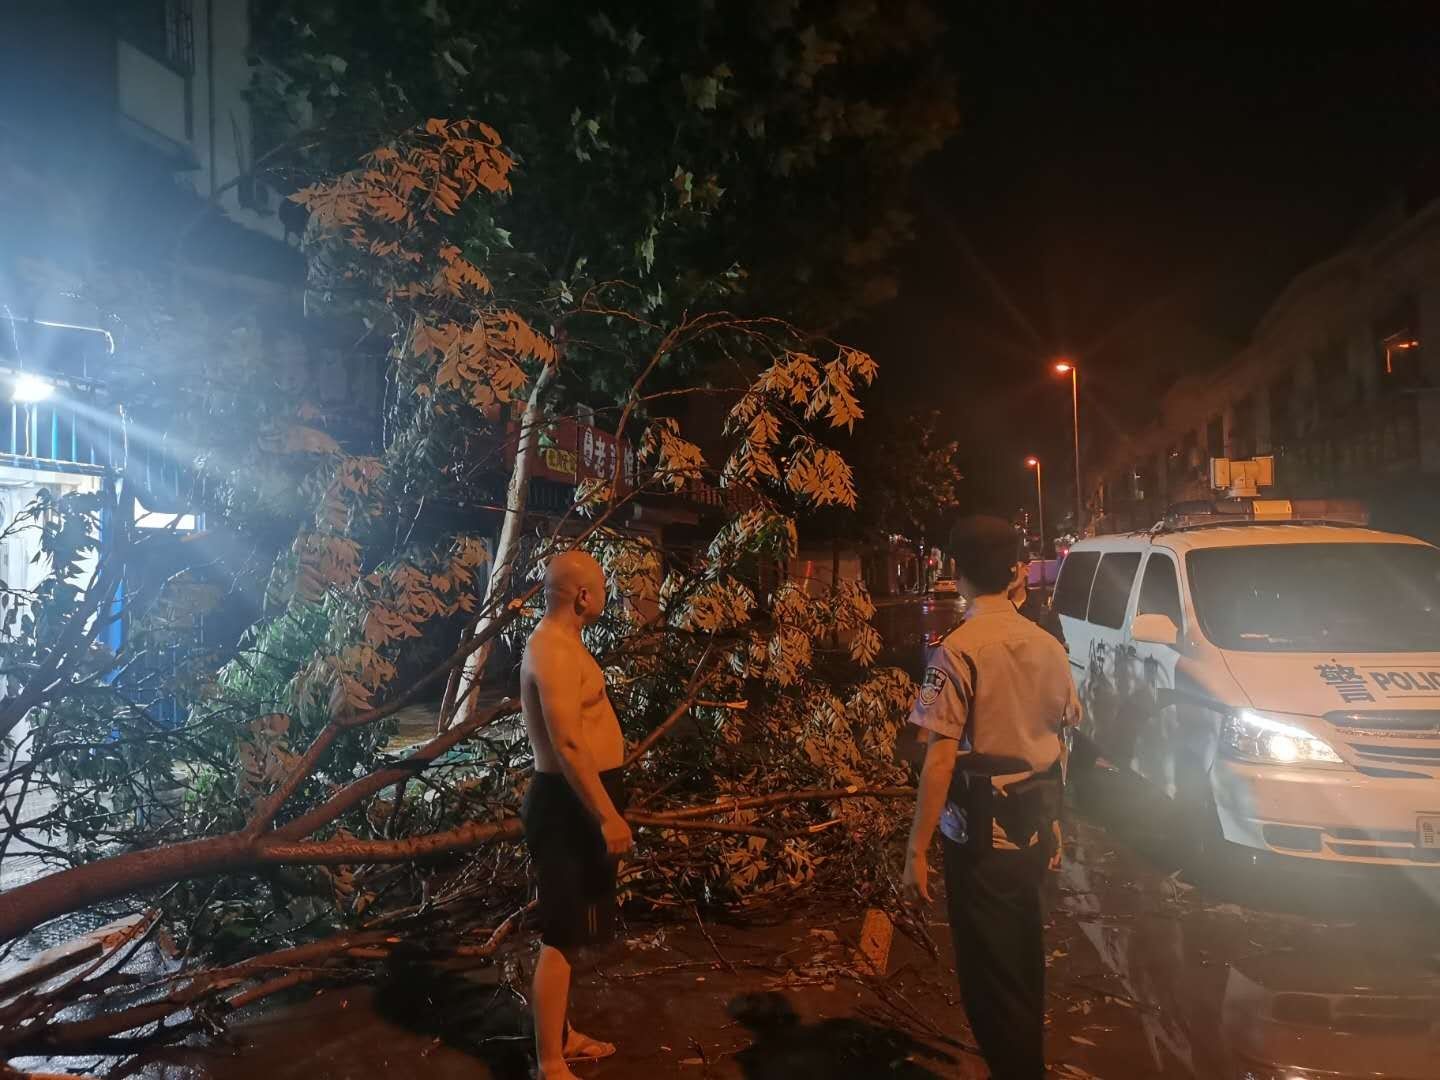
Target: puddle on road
904,627
1285,972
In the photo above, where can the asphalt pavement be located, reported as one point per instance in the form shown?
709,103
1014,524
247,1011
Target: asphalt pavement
1280,972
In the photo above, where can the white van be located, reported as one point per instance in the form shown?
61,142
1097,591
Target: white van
1280,679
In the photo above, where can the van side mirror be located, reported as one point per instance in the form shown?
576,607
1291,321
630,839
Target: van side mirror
1155,629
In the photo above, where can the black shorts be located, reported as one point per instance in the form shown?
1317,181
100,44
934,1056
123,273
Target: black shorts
575,875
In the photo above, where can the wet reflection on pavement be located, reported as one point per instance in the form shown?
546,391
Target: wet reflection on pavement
1281,970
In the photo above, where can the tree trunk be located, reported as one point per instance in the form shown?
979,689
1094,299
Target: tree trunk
27,906
516,496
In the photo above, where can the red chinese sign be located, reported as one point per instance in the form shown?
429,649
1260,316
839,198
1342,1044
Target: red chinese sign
570,452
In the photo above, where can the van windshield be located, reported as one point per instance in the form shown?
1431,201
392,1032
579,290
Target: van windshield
1318,597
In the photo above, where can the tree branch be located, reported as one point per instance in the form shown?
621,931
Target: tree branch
356,792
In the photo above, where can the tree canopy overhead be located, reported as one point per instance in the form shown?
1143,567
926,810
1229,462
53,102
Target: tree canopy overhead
762,146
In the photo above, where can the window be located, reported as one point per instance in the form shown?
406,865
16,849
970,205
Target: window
146,519
1142,483
1174,468
1282,390
165,29
1190,453
1320,598
1160,589
1333,383
1242,428
1111,592
1072,591
1215,437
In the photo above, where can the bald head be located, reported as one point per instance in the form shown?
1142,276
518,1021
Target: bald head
575,584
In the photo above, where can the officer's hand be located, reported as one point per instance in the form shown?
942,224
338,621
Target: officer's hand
915,884
618,838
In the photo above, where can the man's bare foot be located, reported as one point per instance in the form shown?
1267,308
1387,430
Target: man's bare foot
580,1048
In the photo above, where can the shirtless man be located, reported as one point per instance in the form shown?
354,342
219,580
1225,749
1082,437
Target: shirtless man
572,809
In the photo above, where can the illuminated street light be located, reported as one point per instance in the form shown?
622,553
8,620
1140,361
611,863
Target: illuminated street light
1067,367
29,389
1033,462
1394,345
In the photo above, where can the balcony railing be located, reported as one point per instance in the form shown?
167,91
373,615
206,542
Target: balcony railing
71,437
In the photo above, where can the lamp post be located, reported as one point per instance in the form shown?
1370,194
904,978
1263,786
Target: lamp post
1034,463
1397,343
1067,367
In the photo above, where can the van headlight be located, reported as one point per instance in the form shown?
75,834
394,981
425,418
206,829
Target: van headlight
1253,736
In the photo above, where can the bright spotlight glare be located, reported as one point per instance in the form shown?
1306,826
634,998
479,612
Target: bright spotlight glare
29,389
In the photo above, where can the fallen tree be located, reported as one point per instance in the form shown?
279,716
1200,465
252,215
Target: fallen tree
753,736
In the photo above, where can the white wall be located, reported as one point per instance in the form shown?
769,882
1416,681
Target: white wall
18,566
224,138
150,93
218,138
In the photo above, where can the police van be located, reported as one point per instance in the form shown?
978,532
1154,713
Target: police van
1276,673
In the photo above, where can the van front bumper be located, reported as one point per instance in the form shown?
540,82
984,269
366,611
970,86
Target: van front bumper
1333,815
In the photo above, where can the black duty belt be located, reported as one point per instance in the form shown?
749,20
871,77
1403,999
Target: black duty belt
1024,809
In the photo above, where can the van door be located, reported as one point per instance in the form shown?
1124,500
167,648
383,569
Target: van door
1151,678
1108,674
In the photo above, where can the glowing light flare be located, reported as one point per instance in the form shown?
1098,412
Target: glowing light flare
1063,367
1253,736
1392,347
29,389
1032,462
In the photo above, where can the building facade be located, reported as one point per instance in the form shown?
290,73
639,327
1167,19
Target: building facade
1340,383
125,193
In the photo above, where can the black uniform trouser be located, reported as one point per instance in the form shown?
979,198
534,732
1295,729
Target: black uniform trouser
997,922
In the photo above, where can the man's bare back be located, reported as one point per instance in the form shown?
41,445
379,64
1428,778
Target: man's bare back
553,653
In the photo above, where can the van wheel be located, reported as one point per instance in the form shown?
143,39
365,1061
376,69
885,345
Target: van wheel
1215,862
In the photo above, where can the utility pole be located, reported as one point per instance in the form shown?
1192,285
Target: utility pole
1034,463
1067,367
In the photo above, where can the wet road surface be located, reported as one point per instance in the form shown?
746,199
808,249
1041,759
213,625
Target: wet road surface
1156,969
1148,977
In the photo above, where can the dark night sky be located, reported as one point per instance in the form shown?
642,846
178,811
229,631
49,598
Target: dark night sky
1132,184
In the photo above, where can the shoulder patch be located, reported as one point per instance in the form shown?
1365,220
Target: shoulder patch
932,685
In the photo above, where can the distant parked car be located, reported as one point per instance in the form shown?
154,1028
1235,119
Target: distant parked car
945,587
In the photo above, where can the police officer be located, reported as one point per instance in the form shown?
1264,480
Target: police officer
992,707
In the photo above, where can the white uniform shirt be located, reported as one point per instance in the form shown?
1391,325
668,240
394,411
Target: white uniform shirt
1001,685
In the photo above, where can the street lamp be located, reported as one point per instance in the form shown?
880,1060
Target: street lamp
1067,367
1397,343
29,389
1034,463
